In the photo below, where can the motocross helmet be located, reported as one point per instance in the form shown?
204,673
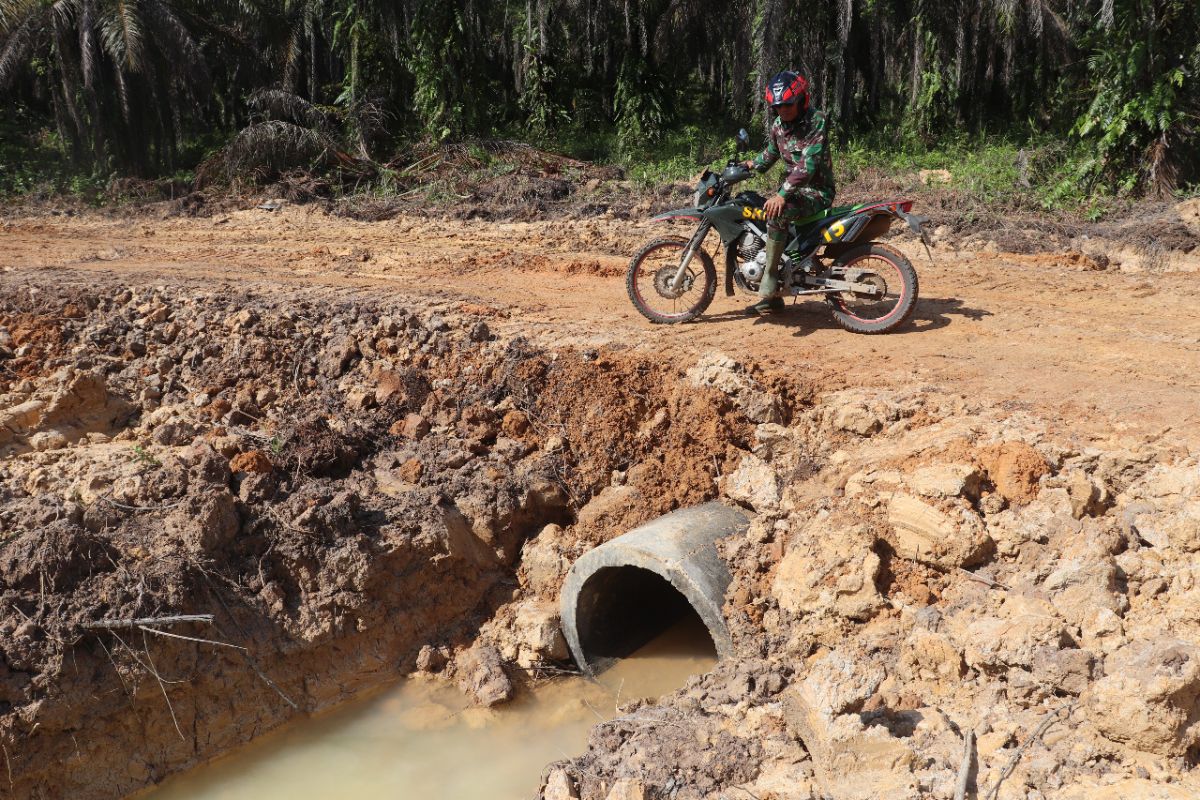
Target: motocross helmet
786,88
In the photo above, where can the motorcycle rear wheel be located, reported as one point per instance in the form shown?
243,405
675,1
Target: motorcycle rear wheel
650,272
892,272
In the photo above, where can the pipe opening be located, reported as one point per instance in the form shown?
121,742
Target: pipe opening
620,609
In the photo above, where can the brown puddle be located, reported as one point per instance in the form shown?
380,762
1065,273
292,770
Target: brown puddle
421,739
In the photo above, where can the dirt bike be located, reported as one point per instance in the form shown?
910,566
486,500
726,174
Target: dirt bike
871,286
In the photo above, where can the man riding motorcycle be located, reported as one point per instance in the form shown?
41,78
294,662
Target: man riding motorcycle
798,136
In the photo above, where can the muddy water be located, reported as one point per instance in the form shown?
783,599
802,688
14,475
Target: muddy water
421,740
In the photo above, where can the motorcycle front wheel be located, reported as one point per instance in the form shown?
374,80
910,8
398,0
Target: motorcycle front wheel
895,282
652,272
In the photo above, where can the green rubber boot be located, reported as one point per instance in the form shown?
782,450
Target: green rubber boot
769,284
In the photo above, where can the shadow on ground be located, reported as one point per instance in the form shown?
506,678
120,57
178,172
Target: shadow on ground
930,314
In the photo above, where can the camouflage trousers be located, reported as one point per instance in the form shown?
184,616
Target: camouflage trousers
805,204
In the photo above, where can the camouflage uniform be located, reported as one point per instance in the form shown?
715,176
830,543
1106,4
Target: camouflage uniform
808,187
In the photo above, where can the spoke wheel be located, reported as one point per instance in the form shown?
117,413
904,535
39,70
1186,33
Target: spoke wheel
650,282
894,281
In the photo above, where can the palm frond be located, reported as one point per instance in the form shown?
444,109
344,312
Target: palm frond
174,38
1162,168
14,55
121,32
14,12
280,105
87,42
276,145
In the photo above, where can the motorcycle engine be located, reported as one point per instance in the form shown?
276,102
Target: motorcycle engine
752,259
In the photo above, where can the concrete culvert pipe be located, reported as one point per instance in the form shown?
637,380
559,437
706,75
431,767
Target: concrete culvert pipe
626,591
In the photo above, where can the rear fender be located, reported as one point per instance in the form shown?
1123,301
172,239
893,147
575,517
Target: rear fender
868,224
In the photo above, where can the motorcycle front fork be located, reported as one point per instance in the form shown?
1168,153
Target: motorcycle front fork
693,245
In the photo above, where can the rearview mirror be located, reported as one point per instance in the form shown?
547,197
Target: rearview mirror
743,139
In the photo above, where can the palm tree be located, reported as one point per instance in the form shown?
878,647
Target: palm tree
121,75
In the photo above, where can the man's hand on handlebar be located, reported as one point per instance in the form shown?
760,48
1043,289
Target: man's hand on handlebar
774,206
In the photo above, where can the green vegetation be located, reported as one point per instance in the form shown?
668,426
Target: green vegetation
144,458
1067,99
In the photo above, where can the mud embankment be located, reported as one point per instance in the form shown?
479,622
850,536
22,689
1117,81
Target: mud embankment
343,485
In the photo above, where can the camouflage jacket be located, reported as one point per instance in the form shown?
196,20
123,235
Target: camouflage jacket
804,147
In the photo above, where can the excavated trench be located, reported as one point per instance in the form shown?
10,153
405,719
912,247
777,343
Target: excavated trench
294,470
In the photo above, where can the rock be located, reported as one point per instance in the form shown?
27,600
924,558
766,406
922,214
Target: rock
257,487
47,440
627,789
1069,671
824,574
1015,469
1150,697
720,372
478,422
481,675
514,424
20,419
361,399
926,534
411,471
947,480
461,541
84,404
1102,630
930,656
209,523
430,659
251,461
559,786
1083,583
174,433
413,426
1119,469
753,483
542,563
1140,788
1163,507
1089,498
1023,625
539,634
856,418
480,332
336,357
853,762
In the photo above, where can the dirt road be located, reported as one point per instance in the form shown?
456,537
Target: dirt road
1101,351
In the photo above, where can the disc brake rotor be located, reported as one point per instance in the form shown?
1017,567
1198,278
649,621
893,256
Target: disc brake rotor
663,278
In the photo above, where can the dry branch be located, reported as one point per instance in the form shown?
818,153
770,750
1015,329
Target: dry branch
994,792
190,638
130,624
964,769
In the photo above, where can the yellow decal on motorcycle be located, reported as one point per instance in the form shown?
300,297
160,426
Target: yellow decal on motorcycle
835,231
753,213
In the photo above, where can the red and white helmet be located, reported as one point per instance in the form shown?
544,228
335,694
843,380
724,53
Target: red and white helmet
786,88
